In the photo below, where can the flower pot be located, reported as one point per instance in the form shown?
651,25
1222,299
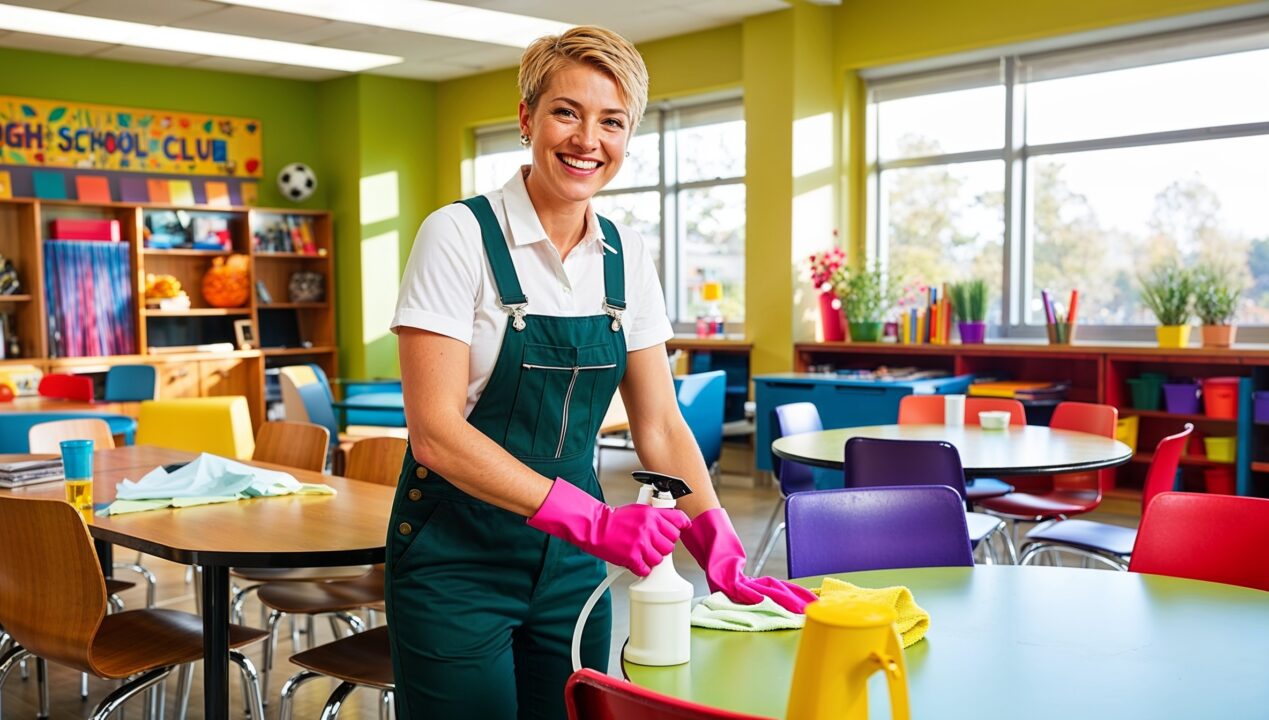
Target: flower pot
831,317
972,332
1173,336
865,331
1219,335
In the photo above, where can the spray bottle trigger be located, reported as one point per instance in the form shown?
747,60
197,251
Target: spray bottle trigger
663,483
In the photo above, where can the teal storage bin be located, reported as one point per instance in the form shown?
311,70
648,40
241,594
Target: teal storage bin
1146,391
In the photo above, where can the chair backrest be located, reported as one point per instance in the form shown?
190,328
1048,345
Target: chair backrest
701,402
1218,538
52,594
873,462
376,460
47,437
1161,477
792,419
591,695
220,425
66,387
306,397
132,383
1085,417
293,444
975,405
835,531
921,410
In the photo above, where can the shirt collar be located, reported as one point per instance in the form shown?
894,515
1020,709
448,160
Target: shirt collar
523,221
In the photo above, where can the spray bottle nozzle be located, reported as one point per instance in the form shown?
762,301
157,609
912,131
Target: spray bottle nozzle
663,483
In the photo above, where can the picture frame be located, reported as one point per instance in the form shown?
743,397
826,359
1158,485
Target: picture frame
245,334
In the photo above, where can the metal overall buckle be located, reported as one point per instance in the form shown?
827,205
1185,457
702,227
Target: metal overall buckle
516,311
615,313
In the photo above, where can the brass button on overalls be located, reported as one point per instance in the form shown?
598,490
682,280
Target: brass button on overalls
421,473
405,529
415,494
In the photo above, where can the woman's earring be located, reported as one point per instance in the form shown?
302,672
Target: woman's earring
524,140
627,153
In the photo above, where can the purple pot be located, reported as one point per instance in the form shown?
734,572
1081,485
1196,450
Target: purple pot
1262,407
972,333
1181,398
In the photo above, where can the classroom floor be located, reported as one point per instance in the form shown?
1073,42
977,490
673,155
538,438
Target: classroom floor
749,508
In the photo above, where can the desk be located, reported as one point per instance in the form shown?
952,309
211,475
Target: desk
1036,642
293,531
1025,450
39,403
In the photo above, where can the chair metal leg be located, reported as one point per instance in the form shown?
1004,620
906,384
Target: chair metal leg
385,705
83,686
288,691
25,672
116,604
1032,553
14,655
240,597
198,589
769,536
184,681
310,629
41,683
336,632
270,647
336,700
127,691
372,617
151,582
355,624
250,684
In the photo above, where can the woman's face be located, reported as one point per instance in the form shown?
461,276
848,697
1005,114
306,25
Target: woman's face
578,132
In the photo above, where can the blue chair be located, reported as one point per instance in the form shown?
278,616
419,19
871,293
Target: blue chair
788,419
132,383
874,462
700,399
15,426
876,528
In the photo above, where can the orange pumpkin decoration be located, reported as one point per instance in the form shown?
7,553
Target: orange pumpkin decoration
228,283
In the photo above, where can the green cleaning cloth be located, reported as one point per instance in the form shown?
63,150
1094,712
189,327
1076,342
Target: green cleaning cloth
719,613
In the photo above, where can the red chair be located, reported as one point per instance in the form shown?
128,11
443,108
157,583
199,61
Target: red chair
975,405
1110,544
590,695
921,410
1217,538
1072,493
66,387
928,410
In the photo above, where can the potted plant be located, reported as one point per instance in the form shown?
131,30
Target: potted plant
820,269
969,307
867,295
1216,295
1168,291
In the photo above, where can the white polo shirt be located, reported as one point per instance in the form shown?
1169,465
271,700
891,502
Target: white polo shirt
448,286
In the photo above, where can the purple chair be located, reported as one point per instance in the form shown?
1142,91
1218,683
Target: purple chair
876,528
789,419
872,462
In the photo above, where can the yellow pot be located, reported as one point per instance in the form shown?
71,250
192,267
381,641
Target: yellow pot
1173,336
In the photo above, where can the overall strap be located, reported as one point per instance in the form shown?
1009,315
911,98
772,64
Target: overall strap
510,295
614,274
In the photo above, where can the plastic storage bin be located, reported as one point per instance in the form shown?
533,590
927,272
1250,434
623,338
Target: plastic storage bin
1126,431
1181,398
1219,480
1220,449
1262,407
1220,397
1145,391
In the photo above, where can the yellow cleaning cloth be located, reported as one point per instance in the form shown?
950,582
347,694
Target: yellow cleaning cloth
913,620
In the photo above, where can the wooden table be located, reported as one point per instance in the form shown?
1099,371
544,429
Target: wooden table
349,528
39,403
1025,450
1036,642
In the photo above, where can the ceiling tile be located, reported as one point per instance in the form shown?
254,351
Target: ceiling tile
128,53
253,22
232,65
45,43
43,4
143,11
295,72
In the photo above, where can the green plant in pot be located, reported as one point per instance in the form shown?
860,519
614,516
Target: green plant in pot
969,307
867,295
1216,294
1168,290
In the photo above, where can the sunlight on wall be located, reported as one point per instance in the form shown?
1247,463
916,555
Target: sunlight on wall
812,144
380,268
812,232
380,198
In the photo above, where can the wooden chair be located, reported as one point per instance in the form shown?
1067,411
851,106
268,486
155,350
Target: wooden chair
53,605
293,444
360,660
376,460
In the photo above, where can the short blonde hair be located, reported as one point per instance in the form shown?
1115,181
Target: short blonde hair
594,46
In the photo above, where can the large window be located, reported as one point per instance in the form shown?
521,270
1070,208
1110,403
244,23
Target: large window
682,187
1079,168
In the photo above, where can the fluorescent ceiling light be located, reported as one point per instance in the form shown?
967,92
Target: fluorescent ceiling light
197,42
423,16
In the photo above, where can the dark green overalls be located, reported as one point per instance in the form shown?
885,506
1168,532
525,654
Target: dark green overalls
482,606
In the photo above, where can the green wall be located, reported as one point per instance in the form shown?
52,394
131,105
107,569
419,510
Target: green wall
285,108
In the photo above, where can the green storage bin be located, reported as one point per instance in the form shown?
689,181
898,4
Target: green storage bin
1146,391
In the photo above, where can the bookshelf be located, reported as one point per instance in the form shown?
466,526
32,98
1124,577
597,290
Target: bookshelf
194,349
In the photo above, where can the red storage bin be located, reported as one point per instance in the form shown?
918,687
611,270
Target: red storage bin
1220,397
1219,481
71,229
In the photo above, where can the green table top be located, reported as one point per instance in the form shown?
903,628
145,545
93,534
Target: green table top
1030,642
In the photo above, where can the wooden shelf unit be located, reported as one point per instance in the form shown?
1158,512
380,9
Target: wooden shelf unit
1098,373
24,227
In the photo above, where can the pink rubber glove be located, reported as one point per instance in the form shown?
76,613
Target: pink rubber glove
713,542
636,537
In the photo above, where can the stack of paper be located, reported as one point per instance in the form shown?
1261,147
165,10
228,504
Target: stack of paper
19,470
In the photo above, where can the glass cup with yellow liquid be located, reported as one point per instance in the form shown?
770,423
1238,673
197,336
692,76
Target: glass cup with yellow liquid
77,463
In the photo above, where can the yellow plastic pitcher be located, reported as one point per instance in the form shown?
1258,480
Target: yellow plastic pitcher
843,643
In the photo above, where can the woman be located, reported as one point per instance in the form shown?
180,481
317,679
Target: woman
520,314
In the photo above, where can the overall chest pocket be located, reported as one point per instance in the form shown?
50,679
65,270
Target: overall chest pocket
562,394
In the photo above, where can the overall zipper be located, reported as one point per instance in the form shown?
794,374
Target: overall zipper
568,395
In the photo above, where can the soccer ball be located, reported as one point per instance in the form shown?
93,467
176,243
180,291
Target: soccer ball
297,181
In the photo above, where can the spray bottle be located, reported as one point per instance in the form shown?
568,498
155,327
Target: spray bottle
661,603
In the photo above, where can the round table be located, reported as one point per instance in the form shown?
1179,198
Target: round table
1025,450
1036,642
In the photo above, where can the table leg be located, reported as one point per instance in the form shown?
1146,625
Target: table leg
216,642
105,556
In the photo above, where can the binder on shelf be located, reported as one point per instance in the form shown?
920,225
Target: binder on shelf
72,229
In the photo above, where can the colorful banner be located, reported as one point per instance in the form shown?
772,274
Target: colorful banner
52,133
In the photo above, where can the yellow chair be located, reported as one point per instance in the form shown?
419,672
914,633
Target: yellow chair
218,425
